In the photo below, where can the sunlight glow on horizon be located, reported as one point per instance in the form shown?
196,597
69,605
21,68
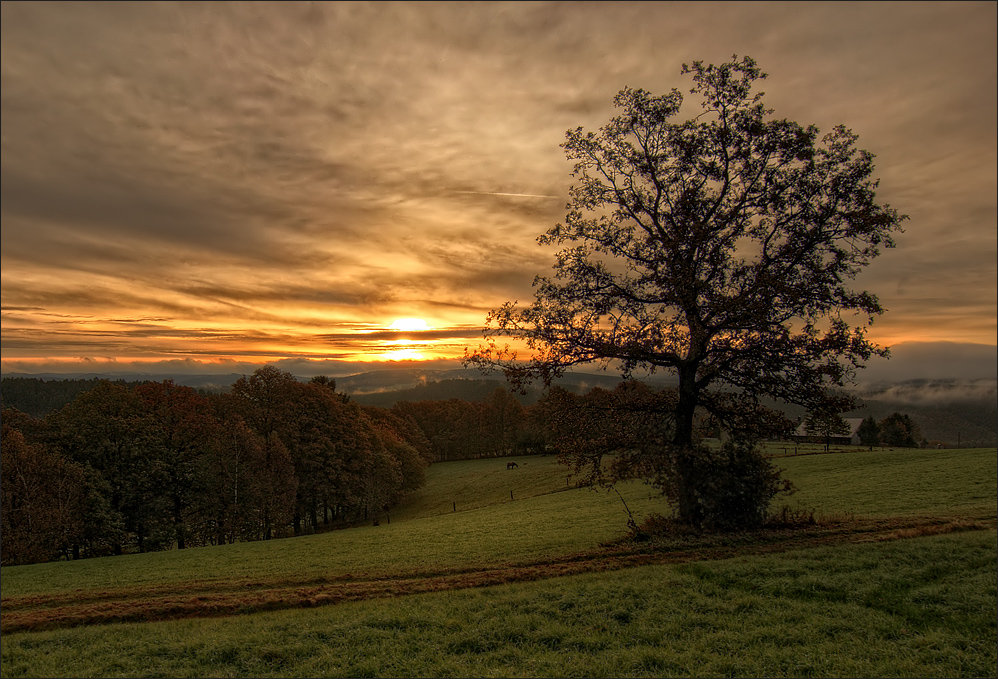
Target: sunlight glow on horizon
410,325
250,218
402,355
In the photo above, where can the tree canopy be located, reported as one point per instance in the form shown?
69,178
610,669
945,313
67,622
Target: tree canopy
720,246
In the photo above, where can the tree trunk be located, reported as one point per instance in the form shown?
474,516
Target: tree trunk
686,408
682,441
178,522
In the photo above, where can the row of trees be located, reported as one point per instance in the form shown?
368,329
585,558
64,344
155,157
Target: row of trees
492,427
146,467
897,429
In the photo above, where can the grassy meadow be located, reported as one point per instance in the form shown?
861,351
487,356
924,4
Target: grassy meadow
440,592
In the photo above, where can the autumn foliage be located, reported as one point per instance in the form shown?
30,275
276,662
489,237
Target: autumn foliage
125,468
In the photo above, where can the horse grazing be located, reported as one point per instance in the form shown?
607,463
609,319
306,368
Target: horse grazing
511,465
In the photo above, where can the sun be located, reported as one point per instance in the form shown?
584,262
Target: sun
409,324
402,355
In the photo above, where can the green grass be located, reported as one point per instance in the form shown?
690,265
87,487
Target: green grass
919,607
896,482
510,532
472,484
507,533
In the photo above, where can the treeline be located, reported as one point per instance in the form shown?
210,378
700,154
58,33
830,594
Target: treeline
897,429
149,466
495,426
463,389
973,422
126,468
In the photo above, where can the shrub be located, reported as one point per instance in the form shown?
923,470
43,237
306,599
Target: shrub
728,489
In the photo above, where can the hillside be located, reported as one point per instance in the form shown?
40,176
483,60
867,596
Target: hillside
963,412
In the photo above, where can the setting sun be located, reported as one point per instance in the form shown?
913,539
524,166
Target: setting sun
409,324
402,355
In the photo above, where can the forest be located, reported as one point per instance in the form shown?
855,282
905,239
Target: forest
136,467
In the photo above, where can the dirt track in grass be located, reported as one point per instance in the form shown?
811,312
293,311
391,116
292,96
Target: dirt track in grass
232,597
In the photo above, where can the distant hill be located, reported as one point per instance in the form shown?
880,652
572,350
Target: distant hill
386,387
38,397
948,411
213,382
466,390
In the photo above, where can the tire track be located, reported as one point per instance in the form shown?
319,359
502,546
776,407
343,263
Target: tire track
214,599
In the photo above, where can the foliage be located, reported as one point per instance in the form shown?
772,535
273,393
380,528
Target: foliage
184,433
869,432
150,466
456,429
610,436
43,498
108,429
38,397
826,423
720,248
727,489
898,429
346,463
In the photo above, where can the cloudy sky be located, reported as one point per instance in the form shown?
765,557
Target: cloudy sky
201,186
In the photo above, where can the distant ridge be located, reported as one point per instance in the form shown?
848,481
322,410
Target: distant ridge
219,382
947,410
370,382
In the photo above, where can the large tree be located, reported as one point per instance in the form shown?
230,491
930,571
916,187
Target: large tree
720,247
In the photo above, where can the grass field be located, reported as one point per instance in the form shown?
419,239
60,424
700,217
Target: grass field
845,601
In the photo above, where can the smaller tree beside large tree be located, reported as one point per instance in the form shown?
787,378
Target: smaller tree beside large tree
719,247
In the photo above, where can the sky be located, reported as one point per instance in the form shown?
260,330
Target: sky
202,187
